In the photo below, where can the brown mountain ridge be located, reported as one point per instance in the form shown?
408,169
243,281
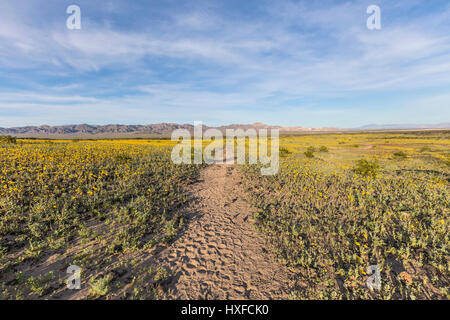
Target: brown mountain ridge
129,131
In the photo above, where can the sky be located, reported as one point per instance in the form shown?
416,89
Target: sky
291,63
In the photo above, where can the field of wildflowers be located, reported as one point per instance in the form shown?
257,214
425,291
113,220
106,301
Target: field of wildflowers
339,204
95,204
344,202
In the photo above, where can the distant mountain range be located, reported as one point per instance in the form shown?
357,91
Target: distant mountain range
119,130
165,129
87,129
405,126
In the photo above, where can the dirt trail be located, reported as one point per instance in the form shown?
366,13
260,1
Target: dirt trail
221,255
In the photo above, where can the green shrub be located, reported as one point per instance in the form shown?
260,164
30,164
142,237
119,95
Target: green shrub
425,149
100,287
284,152
367,168
400,155
323,149
8,139
309,154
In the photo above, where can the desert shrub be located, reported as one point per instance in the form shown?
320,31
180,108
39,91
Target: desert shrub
284,152
400,155
309,154
425,149
367,168
39,284
100,287
161,274
323,149
8,139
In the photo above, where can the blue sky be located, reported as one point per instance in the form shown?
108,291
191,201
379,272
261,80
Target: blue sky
305,63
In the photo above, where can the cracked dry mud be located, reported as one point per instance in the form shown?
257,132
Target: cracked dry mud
221,255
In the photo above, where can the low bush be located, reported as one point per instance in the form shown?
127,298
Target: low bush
367,168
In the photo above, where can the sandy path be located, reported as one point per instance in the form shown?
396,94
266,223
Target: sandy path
221,255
